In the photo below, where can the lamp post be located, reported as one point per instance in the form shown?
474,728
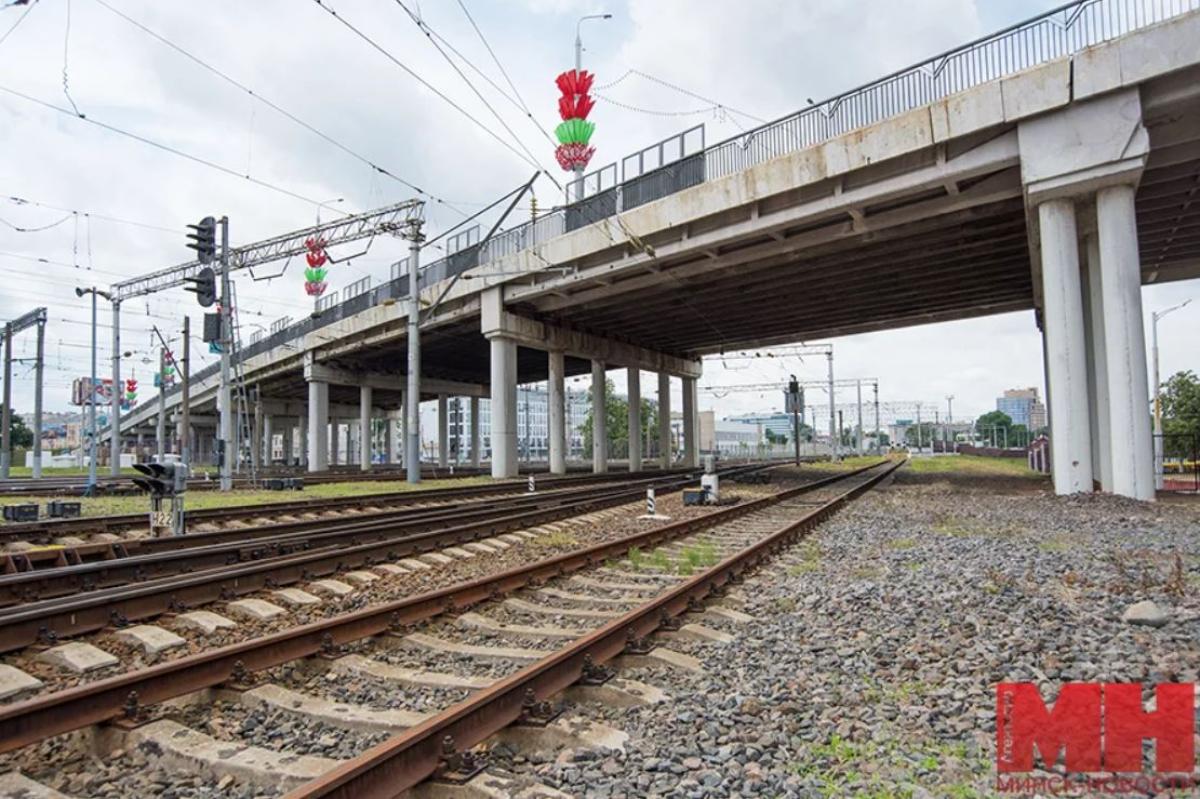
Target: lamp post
579,68
1158,433
92,432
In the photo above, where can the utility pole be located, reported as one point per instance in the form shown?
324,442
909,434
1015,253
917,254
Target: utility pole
937,425
37,398
833,442
6,417
858,387
185,422
160,430
90,491
878,445
412,449
225,442
795,401
950,417
114,427
920,436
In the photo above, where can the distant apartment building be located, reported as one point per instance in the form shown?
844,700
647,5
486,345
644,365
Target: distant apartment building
1023,407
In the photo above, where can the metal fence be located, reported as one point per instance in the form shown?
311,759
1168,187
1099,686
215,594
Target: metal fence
1179,463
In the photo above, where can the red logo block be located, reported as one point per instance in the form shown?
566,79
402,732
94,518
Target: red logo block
1095,727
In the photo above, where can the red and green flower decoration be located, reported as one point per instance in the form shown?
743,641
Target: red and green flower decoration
315,274
574,132
130,393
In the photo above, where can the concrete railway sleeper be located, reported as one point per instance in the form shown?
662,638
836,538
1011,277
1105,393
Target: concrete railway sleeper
447,670
48,621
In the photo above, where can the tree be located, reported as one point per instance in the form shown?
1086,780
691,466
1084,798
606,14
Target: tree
774,438
616,419
1180,400
20,435
925,439
995,427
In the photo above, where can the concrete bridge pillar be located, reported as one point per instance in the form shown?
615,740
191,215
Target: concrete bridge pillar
364,424
335,435
318,426
599,419
664,420
443,431
476,444
635,418
1094,324
691,425
504,407
267,443
557,412
1124,343
389,439
401,452
302,438
1070,442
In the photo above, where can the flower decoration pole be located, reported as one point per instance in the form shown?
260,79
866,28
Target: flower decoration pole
315,273
575,131
130,393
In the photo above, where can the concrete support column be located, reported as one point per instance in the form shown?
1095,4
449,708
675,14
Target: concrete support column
691,425
1070,438
389,440
557,412
504,407
335,435
599,420
403,453
289,449
364,428
476,443
268,433
1093,306
443,432
302,438
318,426
664,420
1125,344
635,419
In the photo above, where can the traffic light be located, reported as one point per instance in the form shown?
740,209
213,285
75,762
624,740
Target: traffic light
204,240
162,479
205,287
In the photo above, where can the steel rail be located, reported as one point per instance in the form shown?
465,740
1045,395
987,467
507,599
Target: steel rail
115,697
416,754
51,619
143,560
24,531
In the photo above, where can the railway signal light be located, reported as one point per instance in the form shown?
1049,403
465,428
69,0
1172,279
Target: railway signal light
205,287
203,240
161,479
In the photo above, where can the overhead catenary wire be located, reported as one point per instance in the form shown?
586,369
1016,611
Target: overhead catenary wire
92,214
277,108
714,103
323,5
20,19
420,23
164,147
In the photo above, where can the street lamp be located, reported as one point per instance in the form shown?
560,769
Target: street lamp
579,68
91,483
1158,433
321,205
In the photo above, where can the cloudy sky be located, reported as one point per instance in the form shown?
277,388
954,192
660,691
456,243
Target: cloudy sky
114,207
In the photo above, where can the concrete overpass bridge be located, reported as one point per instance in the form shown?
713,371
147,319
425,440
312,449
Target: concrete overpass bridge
1054,166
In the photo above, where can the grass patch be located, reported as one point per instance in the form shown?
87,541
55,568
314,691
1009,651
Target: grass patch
902,543
1056,544
884,768
555,540
661,560
810,560
200,500
636,558
974,465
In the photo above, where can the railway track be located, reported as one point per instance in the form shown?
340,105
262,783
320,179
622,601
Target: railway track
91,596
412,684
53,530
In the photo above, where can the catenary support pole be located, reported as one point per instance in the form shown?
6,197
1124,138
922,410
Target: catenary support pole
412,414
6,415
114,424
443,428
226,396
835,449
185,368
858,389
160,428
37,398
